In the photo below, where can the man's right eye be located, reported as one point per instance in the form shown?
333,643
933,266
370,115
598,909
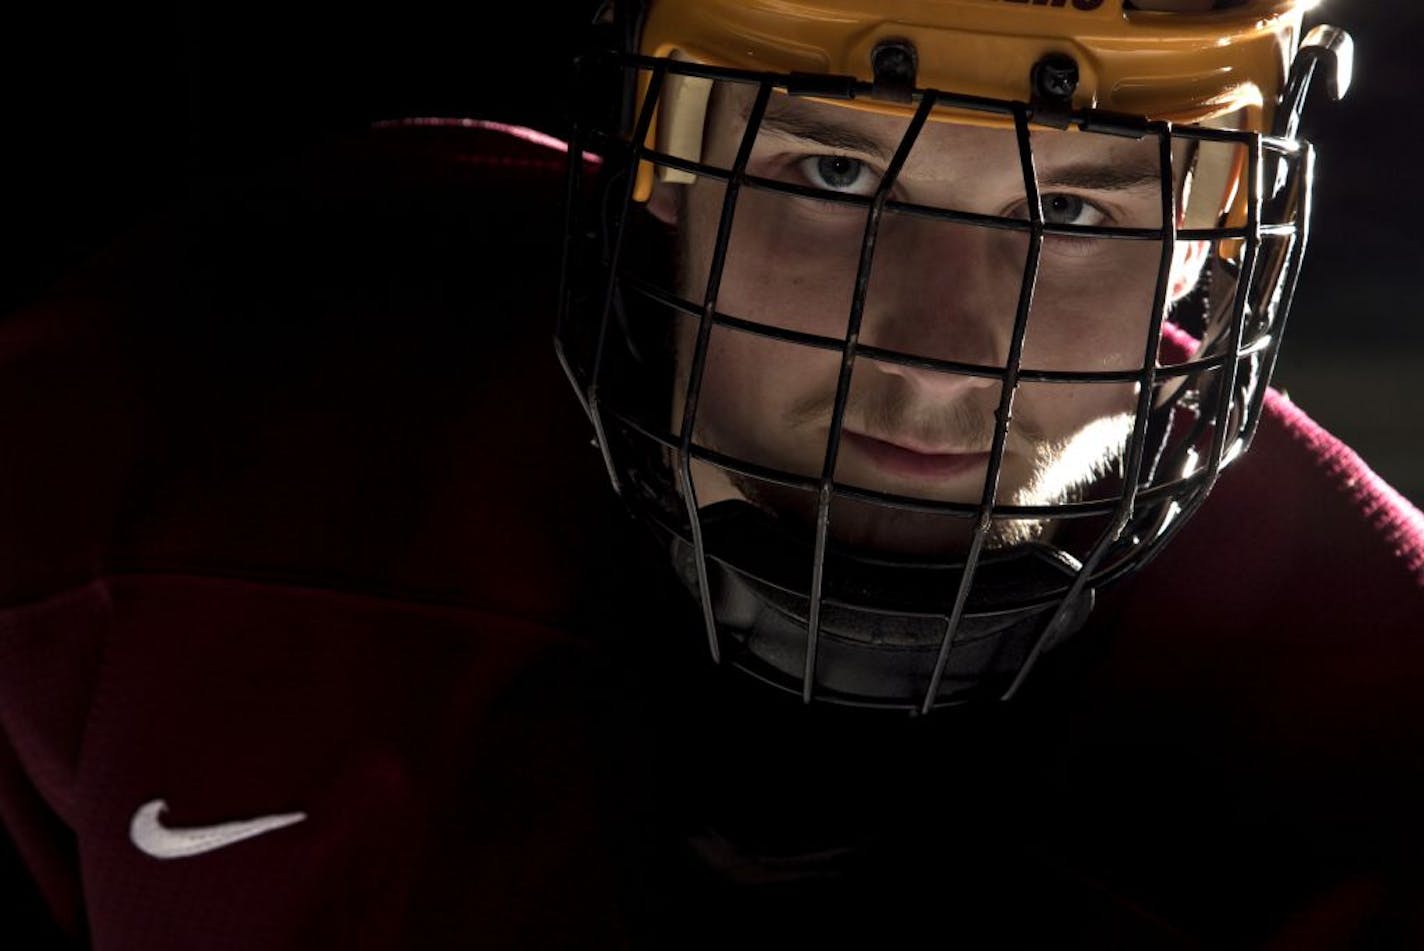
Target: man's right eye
839,173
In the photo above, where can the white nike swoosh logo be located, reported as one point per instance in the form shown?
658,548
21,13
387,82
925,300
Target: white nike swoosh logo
162,842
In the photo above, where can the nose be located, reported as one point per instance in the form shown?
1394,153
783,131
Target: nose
941,291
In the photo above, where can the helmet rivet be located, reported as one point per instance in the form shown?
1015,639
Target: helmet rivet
1055,78
895,65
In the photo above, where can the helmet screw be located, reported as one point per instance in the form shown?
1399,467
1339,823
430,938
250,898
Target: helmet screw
1055,78
895,66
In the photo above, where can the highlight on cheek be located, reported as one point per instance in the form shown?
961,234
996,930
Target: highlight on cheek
1077,460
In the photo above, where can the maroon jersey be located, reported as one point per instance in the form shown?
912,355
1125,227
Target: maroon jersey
320,628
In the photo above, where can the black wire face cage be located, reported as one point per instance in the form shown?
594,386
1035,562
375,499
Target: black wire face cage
849,563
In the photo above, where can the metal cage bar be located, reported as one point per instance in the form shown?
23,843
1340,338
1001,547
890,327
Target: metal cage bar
640,132
901,358
1303,154
1138,441
852,336
1240,306
1292,278
699,366
1008,389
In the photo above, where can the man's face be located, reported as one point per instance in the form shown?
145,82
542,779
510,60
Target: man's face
941,290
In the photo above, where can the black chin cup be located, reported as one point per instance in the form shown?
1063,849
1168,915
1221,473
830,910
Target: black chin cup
883,621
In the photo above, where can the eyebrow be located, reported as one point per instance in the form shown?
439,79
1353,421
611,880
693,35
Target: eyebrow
1093,176
837,138
1089,176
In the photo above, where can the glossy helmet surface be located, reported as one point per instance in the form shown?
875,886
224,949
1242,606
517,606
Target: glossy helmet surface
1210,90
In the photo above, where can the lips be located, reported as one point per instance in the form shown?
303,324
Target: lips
915,462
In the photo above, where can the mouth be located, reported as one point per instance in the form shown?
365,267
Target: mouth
913,461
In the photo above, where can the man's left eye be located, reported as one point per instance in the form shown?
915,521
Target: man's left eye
838,173
1063,209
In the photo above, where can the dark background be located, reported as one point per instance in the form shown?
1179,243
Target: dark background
114,112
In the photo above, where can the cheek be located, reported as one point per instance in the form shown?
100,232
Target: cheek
1064,410
743,388
732,385
1093,313
759,400
781,271
789,268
